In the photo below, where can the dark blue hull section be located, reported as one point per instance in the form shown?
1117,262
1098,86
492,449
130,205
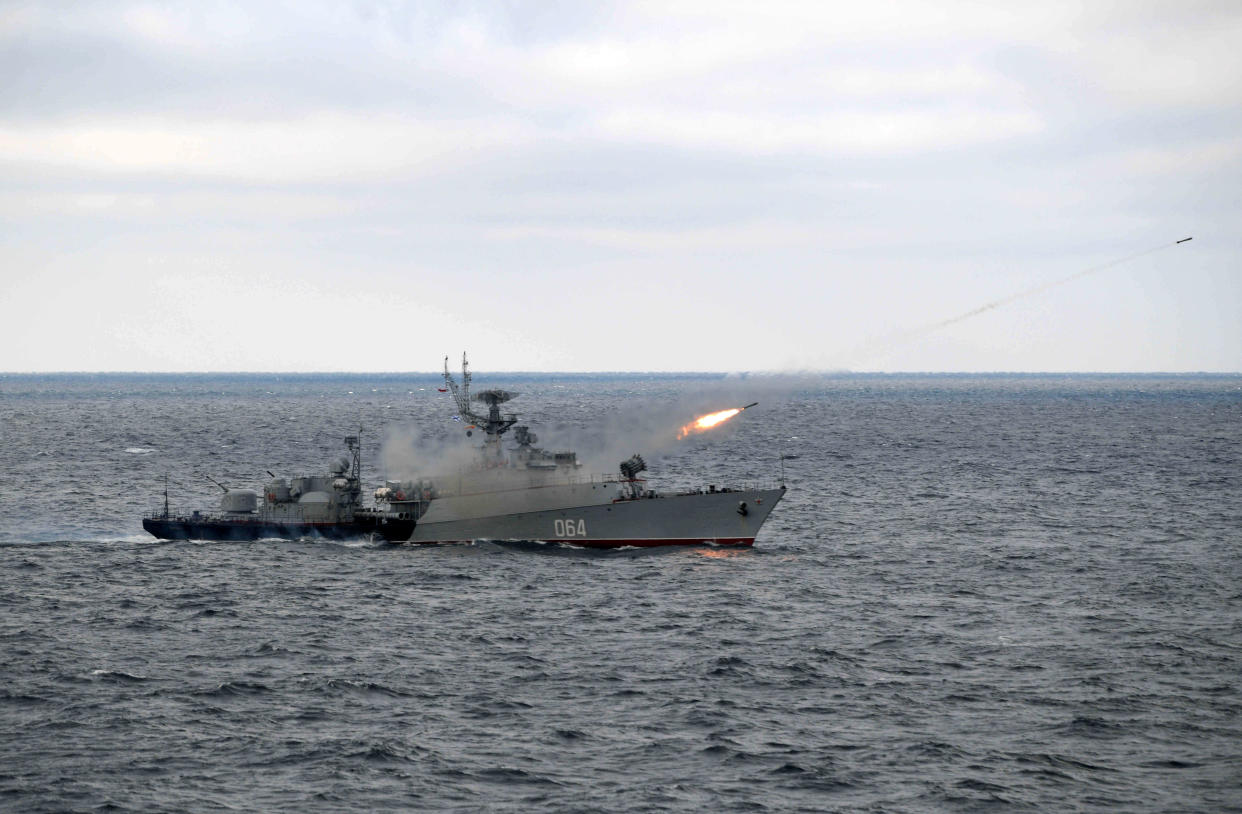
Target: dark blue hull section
183,528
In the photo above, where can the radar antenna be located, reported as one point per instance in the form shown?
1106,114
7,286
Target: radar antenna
493,423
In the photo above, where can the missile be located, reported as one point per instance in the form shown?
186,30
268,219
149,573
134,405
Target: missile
748,406
1183,240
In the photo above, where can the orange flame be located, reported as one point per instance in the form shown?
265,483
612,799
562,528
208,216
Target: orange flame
708,421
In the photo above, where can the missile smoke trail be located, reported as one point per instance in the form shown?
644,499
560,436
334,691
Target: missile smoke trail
994,304
1039,289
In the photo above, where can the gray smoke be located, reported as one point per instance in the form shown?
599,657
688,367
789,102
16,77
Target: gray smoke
409,452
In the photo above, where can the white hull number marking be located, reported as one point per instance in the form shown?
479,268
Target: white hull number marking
569,528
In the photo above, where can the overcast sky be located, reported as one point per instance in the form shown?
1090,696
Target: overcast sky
634,186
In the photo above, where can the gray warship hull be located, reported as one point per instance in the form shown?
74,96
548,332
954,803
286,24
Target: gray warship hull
531,494
725,518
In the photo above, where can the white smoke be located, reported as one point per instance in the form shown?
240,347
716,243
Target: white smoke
407,452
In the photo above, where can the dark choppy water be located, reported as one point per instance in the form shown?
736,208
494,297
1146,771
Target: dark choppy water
981,593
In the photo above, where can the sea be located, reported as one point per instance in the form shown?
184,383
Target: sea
979,593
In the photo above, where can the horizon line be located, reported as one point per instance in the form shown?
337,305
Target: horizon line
801,372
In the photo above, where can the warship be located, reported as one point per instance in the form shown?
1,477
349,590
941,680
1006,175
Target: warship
527,493
520,493
316,506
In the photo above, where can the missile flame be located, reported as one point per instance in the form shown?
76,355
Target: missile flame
706,422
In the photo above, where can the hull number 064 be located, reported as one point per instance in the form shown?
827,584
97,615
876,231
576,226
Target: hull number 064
569,528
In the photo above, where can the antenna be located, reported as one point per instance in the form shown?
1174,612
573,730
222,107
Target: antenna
493,423
461,395
354,444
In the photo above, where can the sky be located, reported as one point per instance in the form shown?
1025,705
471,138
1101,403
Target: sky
663,186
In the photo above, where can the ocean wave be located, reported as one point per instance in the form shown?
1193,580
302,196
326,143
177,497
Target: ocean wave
116,675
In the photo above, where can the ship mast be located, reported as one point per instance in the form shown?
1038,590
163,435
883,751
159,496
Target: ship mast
460,395
354,444
493,424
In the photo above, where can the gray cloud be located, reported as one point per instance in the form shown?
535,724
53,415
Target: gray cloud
742,190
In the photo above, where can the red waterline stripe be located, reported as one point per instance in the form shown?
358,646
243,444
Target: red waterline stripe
644,543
